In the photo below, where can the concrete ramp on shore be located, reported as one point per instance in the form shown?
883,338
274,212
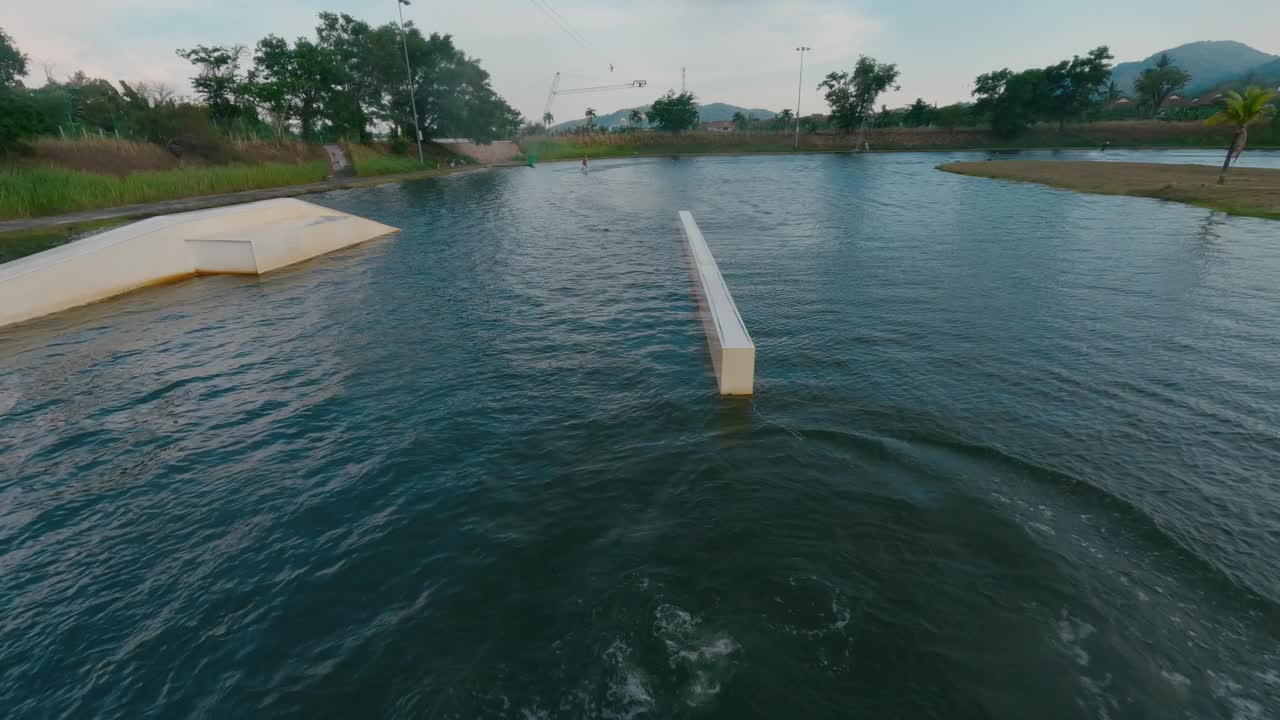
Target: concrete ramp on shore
248,239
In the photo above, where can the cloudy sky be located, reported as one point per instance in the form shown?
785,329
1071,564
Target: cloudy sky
736,51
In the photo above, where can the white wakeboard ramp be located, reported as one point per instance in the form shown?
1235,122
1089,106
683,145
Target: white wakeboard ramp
248,239
732,353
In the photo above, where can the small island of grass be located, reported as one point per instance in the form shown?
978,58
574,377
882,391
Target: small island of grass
1252,192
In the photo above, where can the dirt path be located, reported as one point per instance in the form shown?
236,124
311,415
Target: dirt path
166,207
1249,191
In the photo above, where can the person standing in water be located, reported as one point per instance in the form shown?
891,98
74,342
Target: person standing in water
584,164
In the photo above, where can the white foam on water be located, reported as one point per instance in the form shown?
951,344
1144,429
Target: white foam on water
1072,632
706,655
1232,693
819,625
1178,680
628,693
1097,698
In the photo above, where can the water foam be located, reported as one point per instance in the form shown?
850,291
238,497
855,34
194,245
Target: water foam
707,656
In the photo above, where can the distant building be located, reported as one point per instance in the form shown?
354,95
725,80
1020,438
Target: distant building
1176,101
1122,103
718,126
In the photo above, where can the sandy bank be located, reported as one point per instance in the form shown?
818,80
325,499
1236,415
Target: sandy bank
1249,191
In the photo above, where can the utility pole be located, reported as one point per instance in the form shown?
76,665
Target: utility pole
799,85
413,91
683,89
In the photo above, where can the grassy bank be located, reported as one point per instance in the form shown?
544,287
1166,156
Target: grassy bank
379,159
1119,134
36,191
1251,192
15,245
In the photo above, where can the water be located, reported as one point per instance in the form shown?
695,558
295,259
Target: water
1013,454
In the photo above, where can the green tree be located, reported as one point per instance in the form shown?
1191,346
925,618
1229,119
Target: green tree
19,116
1012,101
95,102
13,64
548,118
1074,85
673,113
635,118
1156,84
741,122
918,114
19,119
349,43
852,96
1241,111
273,81
783,119
219,82
953,116
1112,93
590,114
314,73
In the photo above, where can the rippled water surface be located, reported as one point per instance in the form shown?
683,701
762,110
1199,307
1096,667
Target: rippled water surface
1014,453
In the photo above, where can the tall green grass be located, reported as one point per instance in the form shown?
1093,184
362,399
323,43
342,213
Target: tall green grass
372,160
36,191
372,164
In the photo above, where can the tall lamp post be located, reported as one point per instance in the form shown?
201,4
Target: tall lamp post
413,91
802,50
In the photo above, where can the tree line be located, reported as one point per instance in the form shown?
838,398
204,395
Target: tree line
348,81
1079,89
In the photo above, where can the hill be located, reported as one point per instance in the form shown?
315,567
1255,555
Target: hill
1210,62
710,112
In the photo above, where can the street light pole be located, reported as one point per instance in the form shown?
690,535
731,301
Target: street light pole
413,91
799,85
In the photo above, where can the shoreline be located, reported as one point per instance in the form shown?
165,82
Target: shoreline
203,202
39,233
739,152
21,237
1249,192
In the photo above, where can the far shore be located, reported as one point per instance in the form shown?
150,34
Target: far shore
575,153
1252,192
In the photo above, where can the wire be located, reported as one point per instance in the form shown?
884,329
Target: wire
558,23
546,8
581,38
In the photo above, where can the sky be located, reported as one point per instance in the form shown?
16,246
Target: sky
735,51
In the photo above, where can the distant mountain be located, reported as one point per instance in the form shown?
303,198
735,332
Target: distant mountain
1210,62
710,112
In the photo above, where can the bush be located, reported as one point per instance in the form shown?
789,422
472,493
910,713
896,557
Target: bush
19,120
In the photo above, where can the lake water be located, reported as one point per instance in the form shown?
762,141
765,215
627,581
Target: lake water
1014,452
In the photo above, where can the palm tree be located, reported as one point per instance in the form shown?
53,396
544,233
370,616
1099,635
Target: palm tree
784,118
548,118
1241,111
635,118
1156,84
591,118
